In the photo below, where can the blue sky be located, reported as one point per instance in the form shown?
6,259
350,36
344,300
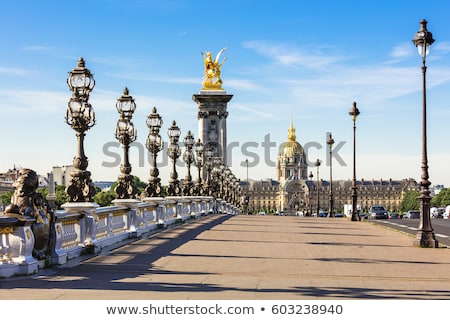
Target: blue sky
308,60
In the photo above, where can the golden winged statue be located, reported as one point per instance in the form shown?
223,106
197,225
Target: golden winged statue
211,79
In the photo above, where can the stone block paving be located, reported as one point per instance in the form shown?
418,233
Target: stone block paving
223,257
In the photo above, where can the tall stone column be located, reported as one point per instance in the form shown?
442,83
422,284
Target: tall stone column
212,108
212,121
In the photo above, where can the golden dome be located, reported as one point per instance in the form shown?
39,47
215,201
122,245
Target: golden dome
291,147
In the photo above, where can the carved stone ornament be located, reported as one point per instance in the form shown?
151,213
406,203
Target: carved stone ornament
25,201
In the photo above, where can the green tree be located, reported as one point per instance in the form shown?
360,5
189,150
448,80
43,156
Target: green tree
61,196
410,201
104,198
442,199
5,198
139,184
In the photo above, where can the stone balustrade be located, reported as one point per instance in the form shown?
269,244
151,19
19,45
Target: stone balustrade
82,228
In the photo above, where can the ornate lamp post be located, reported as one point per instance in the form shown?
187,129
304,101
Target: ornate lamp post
174,152
126,134
227,184
80,116
154,144
425,238
354,113
310,183
198,147
317,164
209,164
330,143
246,163
188,158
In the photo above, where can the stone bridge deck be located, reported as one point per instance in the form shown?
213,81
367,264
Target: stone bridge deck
251,257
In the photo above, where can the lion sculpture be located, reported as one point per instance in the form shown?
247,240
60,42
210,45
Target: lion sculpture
27,202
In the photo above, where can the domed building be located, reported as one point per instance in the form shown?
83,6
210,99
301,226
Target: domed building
290,191
291,162
292,172
294,191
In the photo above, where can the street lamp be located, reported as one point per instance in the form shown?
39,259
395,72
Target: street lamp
198,147
425,238
246,162
81,117
154,144
330,143
209,152
317,164
354,113
126,134
188,158
310,183
174,152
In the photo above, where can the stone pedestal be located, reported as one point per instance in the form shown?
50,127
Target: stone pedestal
159,210
88,228
16,244
212,117
132,217
170,213
195,205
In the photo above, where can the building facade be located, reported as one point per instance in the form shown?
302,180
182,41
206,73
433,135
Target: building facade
294,191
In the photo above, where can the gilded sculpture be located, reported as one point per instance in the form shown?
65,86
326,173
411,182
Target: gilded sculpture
212,79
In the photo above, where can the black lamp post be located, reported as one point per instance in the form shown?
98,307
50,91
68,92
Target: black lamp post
354,113
425,238
174,152
310,189
154,144
126,134
198,147
330,143
246,163
317,164
209,152
188,157
81,117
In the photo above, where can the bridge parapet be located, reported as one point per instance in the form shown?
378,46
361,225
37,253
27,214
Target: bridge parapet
86,228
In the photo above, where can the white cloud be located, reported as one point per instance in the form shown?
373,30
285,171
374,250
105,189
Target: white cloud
23,102
289,55
442,47
402,50
14,71
36,48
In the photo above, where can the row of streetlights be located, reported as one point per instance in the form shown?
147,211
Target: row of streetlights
425,237
354,112
81,117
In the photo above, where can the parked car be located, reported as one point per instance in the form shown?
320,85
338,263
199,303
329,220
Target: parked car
437,213
378,212
323,214
446,214
412,214
395,215
363,215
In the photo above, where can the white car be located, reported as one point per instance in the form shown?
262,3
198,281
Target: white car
446,213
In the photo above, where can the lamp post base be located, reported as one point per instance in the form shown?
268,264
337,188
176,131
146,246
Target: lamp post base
425,239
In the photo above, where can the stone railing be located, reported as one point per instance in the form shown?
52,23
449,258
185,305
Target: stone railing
86,228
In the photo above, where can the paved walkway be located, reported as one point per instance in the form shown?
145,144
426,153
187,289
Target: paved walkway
251,257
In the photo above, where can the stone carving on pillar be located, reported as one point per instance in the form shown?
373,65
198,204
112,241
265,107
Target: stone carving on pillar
222,114
25,201
203,114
